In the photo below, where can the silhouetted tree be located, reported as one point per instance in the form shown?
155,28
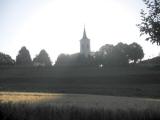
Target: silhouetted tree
74,60
119,55
150,24
42,59
103,56
62,59
110,55
123,48
106,49
6,59
23,57
135,52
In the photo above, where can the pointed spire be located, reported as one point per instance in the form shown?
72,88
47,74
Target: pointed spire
84,33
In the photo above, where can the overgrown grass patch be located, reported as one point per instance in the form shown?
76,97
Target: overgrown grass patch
26,111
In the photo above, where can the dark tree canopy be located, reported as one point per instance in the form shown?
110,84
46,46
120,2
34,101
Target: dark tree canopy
106,49
118,55
74,60
150,24
122,48
135,52
42,59
110,55
62,59
6,59
23,57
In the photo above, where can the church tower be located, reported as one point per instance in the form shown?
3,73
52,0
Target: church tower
85,45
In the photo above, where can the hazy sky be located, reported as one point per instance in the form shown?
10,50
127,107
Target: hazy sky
57,25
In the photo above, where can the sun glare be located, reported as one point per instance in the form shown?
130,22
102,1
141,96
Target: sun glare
28,97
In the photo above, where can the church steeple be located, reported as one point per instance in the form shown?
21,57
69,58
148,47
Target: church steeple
84,33
85,44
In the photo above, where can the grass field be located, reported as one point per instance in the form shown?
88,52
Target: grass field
47,112
40,106
130,81
35,93
80,100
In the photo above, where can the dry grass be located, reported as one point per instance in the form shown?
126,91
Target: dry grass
40,106
10,111
81,100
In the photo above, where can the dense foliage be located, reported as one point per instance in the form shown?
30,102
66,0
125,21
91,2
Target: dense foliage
135,52
108,55
6,59
23,57
74,59
119,55
42,59
150,18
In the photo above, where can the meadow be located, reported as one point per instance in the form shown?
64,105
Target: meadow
79,93
40,106
127,81
42,112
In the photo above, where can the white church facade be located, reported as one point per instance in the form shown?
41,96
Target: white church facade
85,45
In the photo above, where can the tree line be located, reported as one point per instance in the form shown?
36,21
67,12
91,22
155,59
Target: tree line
24,59
42,59
108,55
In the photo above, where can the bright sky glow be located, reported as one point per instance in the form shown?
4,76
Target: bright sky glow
57,25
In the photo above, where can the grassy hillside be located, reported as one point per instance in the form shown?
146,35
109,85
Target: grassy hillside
128,81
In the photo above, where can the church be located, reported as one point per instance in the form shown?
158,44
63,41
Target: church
85,45
77,58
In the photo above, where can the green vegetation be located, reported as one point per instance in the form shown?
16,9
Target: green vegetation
74,60
23,111
108,55
119,55
150,18
6,59
42,59
23,57
135,52
117,81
